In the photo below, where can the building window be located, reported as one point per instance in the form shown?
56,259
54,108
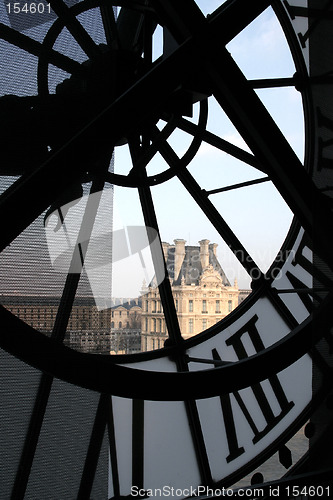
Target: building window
229,305
154,325
204,324
146,324
120,324
190,325
190,306
204,306
217,306
176,303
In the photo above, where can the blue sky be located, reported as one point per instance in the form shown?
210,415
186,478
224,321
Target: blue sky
257,214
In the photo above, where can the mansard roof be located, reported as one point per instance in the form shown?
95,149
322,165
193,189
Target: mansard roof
191,268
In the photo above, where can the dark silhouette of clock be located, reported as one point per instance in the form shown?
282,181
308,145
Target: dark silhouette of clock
201,412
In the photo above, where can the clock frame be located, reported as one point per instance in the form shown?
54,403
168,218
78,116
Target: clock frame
225,393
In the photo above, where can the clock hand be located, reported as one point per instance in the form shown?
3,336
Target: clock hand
92,141
144,96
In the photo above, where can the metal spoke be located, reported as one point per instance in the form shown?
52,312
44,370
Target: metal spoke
172,324
302,290
125,113
130,24
270,83
164,287
46,381
109,24
146,154
94,449
250,117
262,135
184,19
237,186
227,22
219,143
148,30
200,196
75,28
37,49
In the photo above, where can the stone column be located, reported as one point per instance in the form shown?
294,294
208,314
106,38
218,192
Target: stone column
179,256
204,253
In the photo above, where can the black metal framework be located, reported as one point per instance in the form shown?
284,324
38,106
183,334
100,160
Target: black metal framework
136,95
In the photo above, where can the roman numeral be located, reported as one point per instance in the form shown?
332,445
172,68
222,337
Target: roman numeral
311,297
237,342
321,280
325,160
315,15
137,442
113,450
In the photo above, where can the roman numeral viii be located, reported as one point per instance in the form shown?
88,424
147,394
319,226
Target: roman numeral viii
252,417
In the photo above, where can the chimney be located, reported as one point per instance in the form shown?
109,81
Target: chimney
179,256
204,253
213,247
165,247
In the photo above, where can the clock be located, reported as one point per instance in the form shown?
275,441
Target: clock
198,414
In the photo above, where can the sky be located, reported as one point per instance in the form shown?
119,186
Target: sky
257,214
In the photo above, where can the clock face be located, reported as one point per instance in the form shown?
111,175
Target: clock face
154,81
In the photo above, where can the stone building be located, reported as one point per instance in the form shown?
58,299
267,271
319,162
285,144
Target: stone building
202,293
125,327
115,330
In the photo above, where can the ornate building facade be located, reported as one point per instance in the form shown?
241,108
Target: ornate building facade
202,293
